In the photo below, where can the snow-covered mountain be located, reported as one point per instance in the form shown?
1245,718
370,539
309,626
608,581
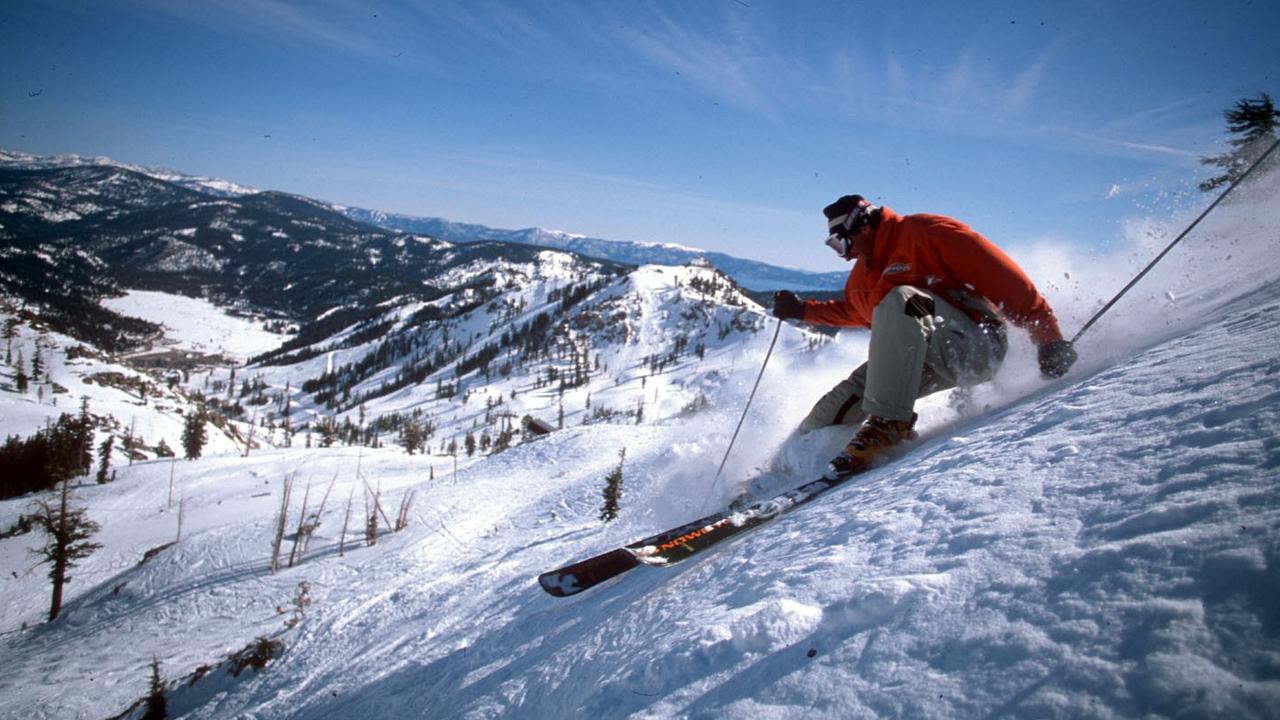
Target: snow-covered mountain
1101,546
1104,545
212,186
748,273
381,333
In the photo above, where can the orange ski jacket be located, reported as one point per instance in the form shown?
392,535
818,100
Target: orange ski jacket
945,257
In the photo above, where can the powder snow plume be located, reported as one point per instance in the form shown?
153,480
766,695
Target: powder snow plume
1230,253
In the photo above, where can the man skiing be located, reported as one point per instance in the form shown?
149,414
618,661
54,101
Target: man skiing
936,296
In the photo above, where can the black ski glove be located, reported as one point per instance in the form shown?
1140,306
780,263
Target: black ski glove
1056,358
787,306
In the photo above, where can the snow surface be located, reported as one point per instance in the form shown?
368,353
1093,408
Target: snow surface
10,158
1101,546
113,392
197,325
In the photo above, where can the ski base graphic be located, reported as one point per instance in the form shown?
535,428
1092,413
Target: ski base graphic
680,543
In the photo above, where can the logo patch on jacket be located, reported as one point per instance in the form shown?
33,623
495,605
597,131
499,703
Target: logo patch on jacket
896,268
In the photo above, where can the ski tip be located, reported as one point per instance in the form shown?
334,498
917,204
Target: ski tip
573,579
560,584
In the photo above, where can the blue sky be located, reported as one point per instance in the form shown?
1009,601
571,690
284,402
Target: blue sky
724,124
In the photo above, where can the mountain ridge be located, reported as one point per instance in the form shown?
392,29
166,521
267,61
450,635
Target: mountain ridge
385,336
752,274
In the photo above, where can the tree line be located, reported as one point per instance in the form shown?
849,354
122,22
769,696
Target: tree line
58,452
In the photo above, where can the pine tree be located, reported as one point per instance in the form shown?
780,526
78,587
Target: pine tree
613,491
54,454
21,382
37,365
104,459
194,434
287,428
413,437
328,429
131,440
1253,121
83,438
10,332
157,706
68,533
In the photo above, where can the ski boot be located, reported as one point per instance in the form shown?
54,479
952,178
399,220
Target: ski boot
868,448
752,491
741,501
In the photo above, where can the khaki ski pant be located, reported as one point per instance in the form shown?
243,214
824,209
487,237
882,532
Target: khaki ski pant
920,344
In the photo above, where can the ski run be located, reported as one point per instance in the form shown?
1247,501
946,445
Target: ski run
1103,546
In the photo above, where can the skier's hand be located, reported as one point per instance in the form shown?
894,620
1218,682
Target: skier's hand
1056,358
787,306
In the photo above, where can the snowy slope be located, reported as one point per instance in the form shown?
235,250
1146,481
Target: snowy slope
124,400
1101,546
196,325
1108,547
1105,547
655,344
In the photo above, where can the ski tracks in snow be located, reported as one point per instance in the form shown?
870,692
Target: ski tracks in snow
1106,547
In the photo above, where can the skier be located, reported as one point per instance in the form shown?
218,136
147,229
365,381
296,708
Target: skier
936,296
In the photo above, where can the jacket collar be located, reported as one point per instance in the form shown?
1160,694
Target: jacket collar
884,232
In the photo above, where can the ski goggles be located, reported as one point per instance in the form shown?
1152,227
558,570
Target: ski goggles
840,243
844,227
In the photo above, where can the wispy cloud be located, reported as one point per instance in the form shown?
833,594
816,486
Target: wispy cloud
1144,118
528,30
975,97
724,56
303,23
1026,86
730,54
346,27
968,88
1104,141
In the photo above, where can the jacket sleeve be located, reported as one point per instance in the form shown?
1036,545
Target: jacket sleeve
985,269
831,312
840,313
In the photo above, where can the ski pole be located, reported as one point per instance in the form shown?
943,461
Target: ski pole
777,331
1176,240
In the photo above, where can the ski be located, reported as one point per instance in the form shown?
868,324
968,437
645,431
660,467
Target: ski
680,543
